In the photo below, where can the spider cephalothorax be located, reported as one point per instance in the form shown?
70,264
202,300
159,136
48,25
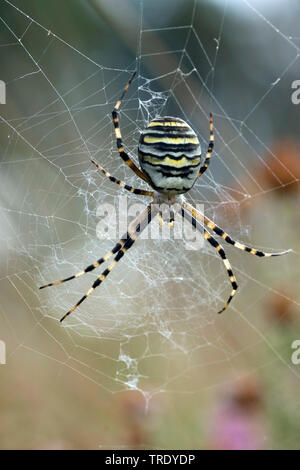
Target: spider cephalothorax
170,155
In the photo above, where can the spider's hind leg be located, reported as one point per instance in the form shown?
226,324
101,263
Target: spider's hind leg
119,245
115,117
210,147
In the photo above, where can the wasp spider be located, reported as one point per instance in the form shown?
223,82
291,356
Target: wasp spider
170,159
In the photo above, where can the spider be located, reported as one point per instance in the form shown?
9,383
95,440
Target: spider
170,159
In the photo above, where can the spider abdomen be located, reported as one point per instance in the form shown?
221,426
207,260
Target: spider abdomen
170,155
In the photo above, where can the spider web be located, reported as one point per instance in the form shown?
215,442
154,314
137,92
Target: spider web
152,326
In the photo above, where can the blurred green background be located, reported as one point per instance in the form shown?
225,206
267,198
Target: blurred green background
146,362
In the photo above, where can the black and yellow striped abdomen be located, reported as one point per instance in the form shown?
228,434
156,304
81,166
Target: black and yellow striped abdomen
170,154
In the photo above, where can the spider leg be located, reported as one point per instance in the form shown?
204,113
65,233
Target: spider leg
226,237
123,240
141,224
213,242
91,267
226,262
121,183
210,147
115,117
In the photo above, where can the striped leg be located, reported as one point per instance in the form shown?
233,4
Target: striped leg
226,262
210,147
93,266
121,183
104,258
221,252
115,116
226,237
141,224
131,230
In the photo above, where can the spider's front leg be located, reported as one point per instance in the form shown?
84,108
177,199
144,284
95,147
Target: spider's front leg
211,225
120,183
210,147
136,229
213,242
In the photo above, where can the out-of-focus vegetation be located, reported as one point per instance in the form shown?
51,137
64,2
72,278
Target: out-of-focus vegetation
243,390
